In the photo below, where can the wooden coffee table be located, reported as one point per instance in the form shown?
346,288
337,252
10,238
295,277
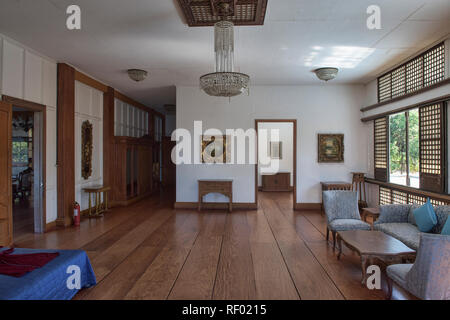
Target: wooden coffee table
372,245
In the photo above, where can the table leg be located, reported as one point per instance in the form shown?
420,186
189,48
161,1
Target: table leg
97,203
90,205
364,269
200,202
230,208
339,241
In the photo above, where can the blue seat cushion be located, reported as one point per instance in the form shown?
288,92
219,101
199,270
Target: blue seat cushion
348,224
425,217
398,272
446,228
405,232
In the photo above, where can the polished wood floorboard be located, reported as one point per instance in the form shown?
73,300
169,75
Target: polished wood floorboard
23,218
151,251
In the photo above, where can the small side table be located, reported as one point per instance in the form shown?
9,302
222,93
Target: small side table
370,212
99,206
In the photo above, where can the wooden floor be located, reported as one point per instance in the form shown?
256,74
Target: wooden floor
23,218
151,251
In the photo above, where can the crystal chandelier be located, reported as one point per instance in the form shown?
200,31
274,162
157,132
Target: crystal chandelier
224,82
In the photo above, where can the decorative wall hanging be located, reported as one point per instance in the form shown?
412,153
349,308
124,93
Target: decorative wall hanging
215,149
86,149
331,148
275,151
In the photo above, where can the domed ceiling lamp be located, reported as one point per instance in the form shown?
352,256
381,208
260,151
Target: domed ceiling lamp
224,82
326,74
137,74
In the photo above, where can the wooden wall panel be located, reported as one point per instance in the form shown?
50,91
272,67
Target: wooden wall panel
66,144
108,137
6,235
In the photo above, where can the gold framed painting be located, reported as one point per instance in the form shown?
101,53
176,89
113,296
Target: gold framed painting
86,149
331,148
215,149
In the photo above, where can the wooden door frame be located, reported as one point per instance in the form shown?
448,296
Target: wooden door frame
294,122
36,107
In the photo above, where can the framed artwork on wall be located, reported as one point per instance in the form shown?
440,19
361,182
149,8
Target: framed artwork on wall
275,151
215,149
330,148
86,149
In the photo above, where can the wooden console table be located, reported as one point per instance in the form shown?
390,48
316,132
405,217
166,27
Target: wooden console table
335,185
222,186
99,206
280,181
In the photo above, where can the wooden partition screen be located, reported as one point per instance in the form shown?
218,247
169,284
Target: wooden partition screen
432,147
420,72
132,179
392,195
381,148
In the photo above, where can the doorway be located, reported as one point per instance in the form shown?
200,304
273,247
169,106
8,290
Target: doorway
276,168
27,167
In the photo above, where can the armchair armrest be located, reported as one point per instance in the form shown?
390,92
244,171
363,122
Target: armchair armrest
394,213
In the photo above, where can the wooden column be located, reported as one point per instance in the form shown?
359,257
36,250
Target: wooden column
108,138
66,144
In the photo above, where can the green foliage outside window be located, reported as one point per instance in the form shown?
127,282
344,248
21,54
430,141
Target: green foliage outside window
397,144
20,151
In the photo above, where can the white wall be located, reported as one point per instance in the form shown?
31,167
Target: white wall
27,75
323,108
171,124
88,106
286,137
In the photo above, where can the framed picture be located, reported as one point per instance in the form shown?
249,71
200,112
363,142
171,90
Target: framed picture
275,151
86,149
331,148
215,149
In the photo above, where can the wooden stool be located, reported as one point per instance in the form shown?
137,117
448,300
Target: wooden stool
99,206
358,185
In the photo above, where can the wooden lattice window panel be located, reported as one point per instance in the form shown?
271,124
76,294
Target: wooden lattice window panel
398,82
414,75
392,196
420,72
399,197
431,139
436,203
384,88
434,65
381,148
385,196
415,199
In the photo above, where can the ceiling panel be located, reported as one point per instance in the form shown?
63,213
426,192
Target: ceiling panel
298,36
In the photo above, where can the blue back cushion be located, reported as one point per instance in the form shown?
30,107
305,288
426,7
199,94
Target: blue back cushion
425,217
446,228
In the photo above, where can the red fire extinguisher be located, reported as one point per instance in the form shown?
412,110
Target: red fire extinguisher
76,214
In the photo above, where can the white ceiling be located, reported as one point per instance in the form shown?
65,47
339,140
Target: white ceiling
298,36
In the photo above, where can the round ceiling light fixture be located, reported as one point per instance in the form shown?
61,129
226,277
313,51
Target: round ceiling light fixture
137,74
326,74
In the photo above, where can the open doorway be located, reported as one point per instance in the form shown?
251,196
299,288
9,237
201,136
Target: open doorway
276,168
27,167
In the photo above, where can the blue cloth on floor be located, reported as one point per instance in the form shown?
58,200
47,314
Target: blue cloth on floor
50,281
